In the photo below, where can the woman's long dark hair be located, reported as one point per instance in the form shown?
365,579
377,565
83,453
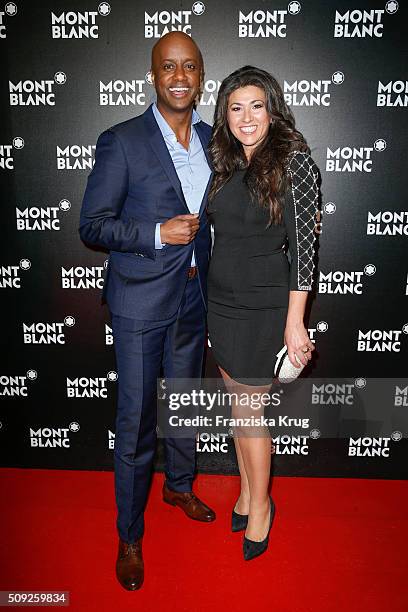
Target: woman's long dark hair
266,176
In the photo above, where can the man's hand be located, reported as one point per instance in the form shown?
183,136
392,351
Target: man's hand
179,230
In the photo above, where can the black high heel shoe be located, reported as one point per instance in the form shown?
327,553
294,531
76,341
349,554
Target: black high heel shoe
253,549
238,521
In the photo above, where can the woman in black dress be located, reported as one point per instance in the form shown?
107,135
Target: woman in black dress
264,195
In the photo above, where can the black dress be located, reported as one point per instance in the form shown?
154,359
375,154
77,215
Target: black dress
250,276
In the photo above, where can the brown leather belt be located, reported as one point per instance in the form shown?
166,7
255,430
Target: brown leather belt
192,273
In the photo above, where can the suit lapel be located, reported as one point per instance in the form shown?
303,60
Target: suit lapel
158,145
204,142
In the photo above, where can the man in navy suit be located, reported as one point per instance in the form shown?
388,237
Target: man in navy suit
145,202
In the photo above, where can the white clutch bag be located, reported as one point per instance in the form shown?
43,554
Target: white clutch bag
284,371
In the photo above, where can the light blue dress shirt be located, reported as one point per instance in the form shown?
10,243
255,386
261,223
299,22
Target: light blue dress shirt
191,166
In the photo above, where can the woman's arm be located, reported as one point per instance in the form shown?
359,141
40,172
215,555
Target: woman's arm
296,337
300,218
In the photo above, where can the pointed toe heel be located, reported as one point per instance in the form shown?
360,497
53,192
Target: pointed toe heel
253,549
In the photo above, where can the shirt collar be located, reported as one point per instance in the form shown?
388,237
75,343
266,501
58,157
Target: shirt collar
165,129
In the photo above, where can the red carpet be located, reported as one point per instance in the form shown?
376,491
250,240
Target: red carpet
336,545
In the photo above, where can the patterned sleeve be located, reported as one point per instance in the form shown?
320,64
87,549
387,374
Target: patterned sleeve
300,218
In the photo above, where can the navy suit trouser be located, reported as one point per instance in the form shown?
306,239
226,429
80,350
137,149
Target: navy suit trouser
142,348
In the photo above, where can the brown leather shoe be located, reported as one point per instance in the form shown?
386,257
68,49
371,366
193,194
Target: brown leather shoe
190,504
129,565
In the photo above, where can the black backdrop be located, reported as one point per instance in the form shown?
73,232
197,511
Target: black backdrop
70,70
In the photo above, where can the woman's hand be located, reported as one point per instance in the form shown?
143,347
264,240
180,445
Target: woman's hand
298,342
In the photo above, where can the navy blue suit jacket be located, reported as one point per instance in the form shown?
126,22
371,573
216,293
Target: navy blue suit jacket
134,185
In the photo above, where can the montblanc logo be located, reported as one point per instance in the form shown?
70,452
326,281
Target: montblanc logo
334,394
372,447
211,443
46,333
381,340
73,24
35,93
311,93
80,277
321,327
357,23
122,93
393,93
53,437
90,388
41,218
10,275
353,159
160,22
401,396
291,445
111,440
266,24
75,157
387,223
344,283
210,92
16,386
7,153
108,335
10,10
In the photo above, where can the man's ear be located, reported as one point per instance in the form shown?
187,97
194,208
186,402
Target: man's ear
200,93
200,89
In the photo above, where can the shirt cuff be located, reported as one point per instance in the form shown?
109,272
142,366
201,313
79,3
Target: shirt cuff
157,242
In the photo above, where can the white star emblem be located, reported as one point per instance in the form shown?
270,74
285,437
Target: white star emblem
380,144
315,433
104,9
25,264
391,7
396,436
74,426
69,321
198,8
60,77
112,376
10,9
64,205
360,383
322,326
18,142
330,208
370,269
31,374
294,8
338,77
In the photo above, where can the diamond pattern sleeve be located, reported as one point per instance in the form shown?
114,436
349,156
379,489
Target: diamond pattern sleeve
300,218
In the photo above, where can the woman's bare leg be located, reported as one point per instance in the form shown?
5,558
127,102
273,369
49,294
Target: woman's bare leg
242,505
254,462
